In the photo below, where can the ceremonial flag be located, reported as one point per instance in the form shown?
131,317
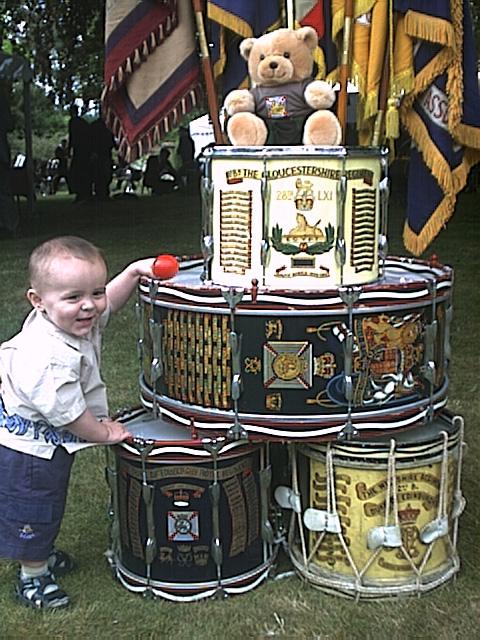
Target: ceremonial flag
318,14
151,73
231,22
442,115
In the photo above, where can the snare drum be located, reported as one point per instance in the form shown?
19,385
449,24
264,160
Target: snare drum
190,516
294,217
298,364
377,518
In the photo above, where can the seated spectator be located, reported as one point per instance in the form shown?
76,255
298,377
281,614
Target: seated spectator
160,176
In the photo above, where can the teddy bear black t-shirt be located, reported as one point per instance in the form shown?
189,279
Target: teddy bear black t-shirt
284,111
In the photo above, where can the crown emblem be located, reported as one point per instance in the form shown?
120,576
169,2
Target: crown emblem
408,515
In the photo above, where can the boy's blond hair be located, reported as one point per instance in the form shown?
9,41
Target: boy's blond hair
75,246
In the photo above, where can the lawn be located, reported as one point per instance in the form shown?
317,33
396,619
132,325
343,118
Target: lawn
287,607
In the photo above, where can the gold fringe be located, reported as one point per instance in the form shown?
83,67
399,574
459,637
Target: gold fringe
371,105
417,243
403,82
467,135
455,71
425,27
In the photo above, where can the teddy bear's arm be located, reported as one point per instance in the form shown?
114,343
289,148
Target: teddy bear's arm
319,94
239,101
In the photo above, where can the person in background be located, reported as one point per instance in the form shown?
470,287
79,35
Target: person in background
160,176
53,402
186,151
103,144
80,150
61,155
9,217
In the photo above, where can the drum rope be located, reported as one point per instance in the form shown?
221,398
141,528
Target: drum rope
442,500
390,498
332,509
458,490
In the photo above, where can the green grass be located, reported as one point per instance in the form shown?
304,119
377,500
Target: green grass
286,608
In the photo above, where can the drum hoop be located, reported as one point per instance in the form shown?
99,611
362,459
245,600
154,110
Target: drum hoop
270,152
332,422
368,454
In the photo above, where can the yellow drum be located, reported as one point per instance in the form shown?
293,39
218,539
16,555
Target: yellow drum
377,518
294,218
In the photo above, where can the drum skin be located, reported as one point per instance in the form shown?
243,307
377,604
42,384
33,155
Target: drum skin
292,353
426,478
179,473
294,217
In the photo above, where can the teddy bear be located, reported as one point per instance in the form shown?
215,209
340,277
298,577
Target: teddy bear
284,106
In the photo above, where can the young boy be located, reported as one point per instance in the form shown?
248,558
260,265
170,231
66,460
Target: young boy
53,403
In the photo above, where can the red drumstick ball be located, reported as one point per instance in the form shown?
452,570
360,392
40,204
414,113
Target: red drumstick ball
165,266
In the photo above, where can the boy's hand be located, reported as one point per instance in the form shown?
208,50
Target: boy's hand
115,432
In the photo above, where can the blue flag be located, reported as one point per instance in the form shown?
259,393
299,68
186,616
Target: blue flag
442,116
230,22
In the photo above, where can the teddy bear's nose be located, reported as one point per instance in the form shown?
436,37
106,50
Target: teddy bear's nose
273,64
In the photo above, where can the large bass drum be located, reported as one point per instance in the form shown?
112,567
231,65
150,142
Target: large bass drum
190,516
283,364
377,518
294,217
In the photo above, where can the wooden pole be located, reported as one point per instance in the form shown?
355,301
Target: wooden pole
378,136
344,70
207,72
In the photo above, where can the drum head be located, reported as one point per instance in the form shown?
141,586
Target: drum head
157,429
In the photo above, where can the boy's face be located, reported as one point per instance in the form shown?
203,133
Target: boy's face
72,294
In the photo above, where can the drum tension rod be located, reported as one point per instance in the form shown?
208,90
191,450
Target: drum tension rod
429,368
265,244
111,476
141,332
207,241
233,297
156,368
349,296
383,240
145,447
340,246
214,447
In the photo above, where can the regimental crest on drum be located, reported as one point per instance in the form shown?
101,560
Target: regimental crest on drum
287,365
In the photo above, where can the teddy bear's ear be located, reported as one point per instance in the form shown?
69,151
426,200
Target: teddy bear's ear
246,47
308,35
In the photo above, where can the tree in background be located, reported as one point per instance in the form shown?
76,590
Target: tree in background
62,39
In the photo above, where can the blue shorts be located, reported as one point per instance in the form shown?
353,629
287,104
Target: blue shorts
33,492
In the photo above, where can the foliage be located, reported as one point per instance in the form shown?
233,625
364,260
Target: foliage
62,39
49,123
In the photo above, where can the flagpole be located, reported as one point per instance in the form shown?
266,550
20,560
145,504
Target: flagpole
290,11
379,133
207,72
345,67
